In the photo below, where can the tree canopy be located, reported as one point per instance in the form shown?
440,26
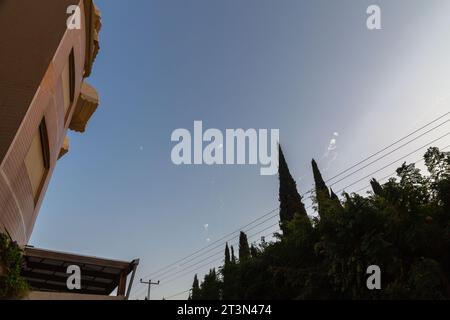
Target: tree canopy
402,226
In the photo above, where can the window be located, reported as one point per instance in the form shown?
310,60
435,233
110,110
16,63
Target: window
37,160
68,82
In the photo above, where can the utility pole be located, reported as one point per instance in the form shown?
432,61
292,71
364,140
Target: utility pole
149,283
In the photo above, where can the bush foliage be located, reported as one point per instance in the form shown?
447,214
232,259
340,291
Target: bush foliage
12,285
402,226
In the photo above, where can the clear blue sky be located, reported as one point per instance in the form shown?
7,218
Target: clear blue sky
308,68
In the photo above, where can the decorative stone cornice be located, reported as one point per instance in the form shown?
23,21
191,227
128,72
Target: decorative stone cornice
85,108
93,26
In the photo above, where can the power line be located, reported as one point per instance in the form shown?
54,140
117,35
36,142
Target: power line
393,162
177,294
190,271
171,271
389,146
384,149
362,188
215,260
220,245
390,152
394,173
383,178
211,244
192,259
213,248
186,272
158,272
139,291
201,267
220,252
193,265
360,162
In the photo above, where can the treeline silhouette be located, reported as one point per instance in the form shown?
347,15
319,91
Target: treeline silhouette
402,226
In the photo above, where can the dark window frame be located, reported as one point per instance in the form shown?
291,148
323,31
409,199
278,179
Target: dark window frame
72,75
45,156
71,63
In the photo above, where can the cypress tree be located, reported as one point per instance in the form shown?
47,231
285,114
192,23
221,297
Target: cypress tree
229,275
244,250
322,193
290,200
196,294
318,180
211,286
226,274
227,255
233,257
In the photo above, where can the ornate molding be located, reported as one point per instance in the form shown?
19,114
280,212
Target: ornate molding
93,26
86,105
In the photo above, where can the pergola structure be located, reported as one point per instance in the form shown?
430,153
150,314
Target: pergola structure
46,273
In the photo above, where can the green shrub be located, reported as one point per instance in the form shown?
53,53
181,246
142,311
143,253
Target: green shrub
12,285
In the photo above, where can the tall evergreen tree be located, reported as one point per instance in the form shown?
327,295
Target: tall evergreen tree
244,250
318,180
210,288
227,255
233,257
407,230
195,294
230,280
323,196
290,200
